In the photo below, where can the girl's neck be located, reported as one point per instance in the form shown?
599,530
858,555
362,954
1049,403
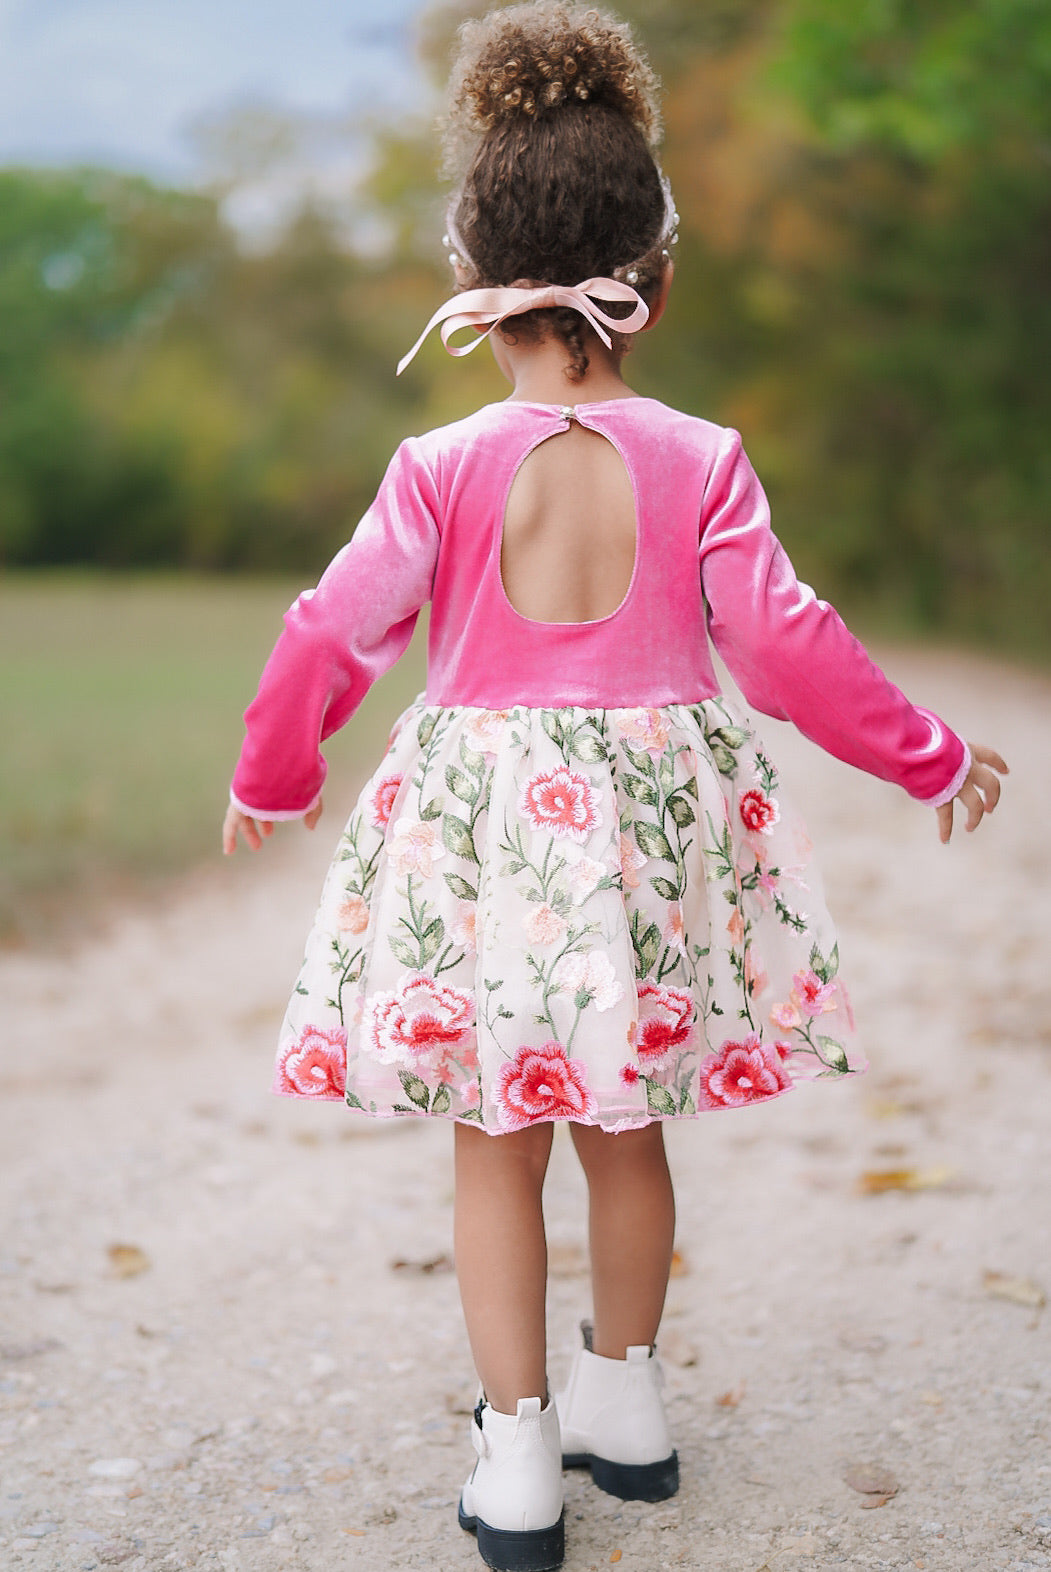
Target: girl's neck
538,372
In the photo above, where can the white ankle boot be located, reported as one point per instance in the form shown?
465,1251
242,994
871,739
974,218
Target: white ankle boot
513,1499
613,1422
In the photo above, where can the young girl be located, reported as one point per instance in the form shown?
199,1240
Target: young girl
570,891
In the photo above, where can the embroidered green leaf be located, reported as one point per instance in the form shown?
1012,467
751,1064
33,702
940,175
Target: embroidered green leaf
665,887
818,964
552,725
642,761
512,867
399,1108
584,745
833,1054
431,940
723,759
653,841
639,790
460,785
690,785
681,811
353,1101
457,837
659,1100
404,952
666,772
504,1014
460,887
732,736
425,729
441,1102
415,1089
432,809
299,988
647,945
475,762
472,1113
494,982
833,962
625,821
686,1102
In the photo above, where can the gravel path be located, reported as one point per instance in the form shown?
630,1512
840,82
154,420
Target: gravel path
209,1359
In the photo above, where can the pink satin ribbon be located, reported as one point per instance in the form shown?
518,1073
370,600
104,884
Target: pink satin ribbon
489,307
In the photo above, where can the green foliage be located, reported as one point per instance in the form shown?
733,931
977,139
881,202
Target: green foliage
861,289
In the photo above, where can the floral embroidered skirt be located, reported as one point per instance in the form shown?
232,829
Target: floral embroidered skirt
537,914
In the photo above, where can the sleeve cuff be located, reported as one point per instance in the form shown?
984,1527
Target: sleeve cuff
273,813
954,785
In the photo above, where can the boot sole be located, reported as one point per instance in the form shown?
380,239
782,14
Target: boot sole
629,1481
517,1550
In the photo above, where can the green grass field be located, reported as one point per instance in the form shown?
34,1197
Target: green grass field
121,701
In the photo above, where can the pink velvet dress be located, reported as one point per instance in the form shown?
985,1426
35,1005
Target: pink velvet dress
572,890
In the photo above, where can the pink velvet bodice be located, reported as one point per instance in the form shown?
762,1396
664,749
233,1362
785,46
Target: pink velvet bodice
706,561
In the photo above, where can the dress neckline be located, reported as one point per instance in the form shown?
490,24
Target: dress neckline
599,403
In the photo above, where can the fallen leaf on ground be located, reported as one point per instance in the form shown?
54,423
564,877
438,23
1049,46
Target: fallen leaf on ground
337,1474
679,1264
874,1181
426,1266
730,1399
871,1502
932,1399
616,1555
127,1260
869,1479
359,1533
1019,1290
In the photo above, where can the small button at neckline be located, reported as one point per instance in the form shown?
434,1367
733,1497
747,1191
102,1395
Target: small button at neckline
567,411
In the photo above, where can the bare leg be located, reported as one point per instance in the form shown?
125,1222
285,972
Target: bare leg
632,1227
501,1258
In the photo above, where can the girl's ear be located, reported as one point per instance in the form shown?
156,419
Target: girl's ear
661,297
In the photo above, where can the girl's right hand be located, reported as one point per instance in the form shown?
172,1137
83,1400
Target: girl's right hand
255,831
979,793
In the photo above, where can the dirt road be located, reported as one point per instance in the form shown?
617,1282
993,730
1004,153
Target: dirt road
208,1358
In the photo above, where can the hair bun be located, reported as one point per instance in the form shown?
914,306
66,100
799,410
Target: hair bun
532,60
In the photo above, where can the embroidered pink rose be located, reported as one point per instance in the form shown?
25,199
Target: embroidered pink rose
590,978
483,729
745,1072
755,979
464,930
786,1016
353,915
382,800
644,727
543,925
631,860
665,1022
675,928
759,813
563,802
811,996
422,1023
735,927
629,1076
584,876
543,1083
415,847
783,1050
314,1064
472,1095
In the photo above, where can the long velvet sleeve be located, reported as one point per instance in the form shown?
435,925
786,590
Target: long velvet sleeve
794,658
338,639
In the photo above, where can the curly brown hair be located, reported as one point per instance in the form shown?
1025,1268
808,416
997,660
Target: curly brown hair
552,123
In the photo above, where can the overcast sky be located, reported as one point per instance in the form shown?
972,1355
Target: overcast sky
119,82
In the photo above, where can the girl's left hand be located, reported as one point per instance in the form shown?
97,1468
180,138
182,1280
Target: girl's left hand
255,831
979,793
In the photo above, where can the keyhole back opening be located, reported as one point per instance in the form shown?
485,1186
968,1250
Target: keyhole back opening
569,536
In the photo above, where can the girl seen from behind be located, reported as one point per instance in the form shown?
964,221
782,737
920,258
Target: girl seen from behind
571,891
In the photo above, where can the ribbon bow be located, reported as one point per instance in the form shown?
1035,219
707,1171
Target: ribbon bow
489,307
